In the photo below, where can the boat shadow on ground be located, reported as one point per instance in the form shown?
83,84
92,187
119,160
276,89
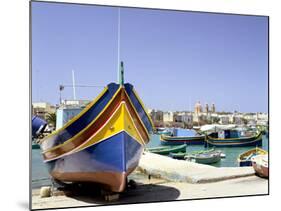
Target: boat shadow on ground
142,193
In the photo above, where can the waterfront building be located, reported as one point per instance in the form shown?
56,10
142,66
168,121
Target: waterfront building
187,118
74,103
213,108
224,119
168,116
207,108
236,120
41,109
198,108
156,115
262,116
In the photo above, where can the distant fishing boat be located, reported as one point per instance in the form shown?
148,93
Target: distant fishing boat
163,131
206,157
184,155
38,125
232,138
168,149
244,159
183,136
260,164
104,142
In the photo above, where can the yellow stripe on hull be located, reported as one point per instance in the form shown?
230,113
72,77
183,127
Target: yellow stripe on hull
121,120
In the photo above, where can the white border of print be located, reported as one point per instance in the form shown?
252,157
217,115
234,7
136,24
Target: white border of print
14,54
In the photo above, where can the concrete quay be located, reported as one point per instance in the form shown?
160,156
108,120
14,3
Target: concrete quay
186,171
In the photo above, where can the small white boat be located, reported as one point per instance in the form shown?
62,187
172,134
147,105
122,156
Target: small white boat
260,164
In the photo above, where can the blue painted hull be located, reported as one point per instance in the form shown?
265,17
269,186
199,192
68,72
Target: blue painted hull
187,142
245,163
114,157
257,142
141,112
38,125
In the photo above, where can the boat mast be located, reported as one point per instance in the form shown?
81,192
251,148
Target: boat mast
121,67
118,49
121,74
73,84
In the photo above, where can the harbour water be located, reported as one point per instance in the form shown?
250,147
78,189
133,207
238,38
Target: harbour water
41,177
231,152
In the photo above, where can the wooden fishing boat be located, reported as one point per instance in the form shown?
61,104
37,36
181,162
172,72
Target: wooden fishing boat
177,155
162,131
231,138
38,125
244,159
183,136
184,155
103,143
206,158
168,149
260,164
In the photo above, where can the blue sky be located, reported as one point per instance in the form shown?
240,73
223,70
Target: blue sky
173,59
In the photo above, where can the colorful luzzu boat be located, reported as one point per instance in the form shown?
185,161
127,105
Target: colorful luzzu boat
233,140
103,143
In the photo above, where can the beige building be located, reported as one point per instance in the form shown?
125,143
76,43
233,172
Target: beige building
156,115
168,116
198,108
213,108
41,109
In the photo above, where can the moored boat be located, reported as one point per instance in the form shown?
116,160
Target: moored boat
38,125
207,157
260,164
183,136
165,150
184,155
163,131
103,143
244,159
232,138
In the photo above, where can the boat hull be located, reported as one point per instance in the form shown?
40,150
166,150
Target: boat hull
170,140
167,150
38,125
103,143
260,170
234,142
260,165
91,164
245,163
244,159
210,160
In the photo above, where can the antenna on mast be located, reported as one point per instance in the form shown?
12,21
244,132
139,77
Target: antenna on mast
118,48
73,84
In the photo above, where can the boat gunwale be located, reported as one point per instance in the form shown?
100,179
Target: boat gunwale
232,143
240,158
180,138
240,138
